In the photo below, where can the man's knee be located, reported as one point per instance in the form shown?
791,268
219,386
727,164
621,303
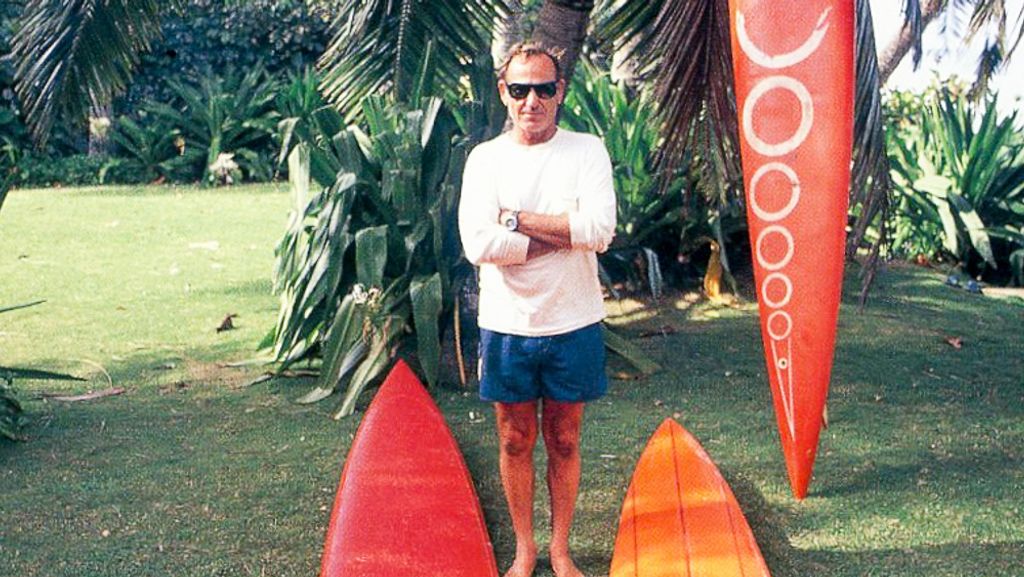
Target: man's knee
563,444
516,441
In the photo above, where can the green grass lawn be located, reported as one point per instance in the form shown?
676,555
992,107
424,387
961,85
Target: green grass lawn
191,472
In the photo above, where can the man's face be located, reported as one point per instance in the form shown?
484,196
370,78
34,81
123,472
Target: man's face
533,116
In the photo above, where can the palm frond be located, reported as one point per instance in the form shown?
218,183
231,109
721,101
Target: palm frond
870,163
869,184
912,18
380,45
618,23
688,48
73,54
989,19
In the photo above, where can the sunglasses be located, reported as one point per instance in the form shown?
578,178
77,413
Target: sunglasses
544,91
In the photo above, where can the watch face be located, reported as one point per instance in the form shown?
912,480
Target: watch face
512,223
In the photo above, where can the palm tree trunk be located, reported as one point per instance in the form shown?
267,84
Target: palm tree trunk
904,41
99,130
563,24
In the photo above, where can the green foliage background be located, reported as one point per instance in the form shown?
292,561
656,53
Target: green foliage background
958,175
215,38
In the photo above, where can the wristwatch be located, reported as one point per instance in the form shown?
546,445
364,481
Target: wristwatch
511,221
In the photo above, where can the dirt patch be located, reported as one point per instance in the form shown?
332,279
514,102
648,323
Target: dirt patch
217,374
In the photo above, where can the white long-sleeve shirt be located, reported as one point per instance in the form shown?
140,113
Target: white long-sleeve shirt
559,291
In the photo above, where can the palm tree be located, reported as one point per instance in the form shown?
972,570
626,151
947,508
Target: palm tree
987,18
73,55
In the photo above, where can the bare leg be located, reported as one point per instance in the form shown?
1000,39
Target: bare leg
517,435
561,423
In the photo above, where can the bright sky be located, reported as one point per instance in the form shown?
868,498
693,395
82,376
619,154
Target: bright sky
946,54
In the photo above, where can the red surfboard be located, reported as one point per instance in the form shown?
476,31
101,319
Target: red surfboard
679,518
794,72
406,504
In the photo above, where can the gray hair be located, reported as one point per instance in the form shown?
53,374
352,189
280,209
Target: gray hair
529,49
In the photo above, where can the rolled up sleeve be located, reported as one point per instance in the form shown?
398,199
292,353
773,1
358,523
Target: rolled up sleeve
484,240
592,225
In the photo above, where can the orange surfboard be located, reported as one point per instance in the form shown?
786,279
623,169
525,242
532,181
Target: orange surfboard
794,72
679,518
406,504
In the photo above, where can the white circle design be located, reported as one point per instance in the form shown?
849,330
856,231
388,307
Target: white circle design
776,304
789,325
794,197
761,58
790,248
806,115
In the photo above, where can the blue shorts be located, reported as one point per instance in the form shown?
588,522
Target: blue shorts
567,367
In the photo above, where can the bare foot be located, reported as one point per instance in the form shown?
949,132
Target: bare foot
526,560
563,566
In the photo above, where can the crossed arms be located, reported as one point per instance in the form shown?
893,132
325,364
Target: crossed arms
590,227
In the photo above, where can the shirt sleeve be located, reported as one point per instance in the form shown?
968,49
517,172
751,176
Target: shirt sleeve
592,226
484,240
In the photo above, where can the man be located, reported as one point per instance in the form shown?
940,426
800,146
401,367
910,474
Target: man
537,205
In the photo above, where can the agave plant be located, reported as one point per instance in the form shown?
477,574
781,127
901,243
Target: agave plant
959,174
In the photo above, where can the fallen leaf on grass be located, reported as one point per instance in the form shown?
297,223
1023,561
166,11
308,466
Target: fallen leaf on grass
260,379
955,342
92,395
227,324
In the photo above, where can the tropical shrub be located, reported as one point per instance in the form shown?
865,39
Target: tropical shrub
375,252
42,170
958,172
148,150
223,115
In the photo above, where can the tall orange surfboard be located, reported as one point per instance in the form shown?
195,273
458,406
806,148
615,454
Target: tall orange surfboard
679,517
794,72
406,504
